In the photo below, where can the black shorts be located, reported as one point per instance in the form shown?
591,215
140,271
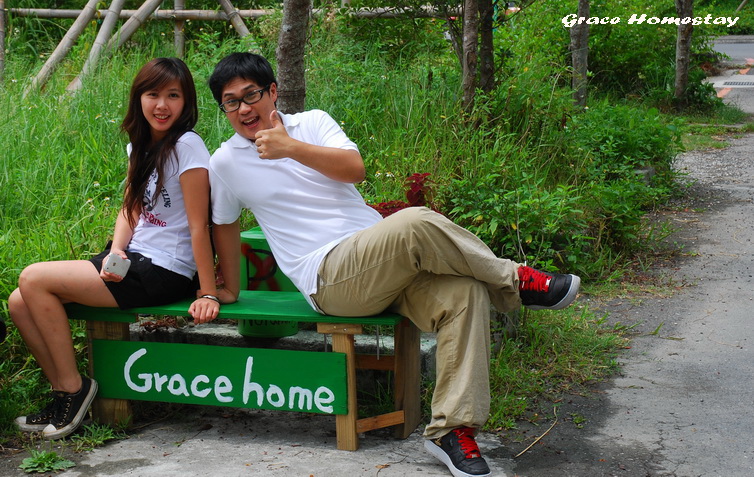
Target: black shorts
146,284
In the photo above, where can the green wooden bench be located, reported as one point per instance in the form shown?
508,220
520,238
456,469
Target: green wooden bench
305,381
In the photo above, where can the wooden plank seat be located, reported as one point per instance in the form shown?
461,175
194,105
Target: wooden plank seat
304,381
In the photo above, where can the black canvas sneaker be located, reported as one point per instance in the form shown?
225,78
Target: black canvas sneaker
459,451
37,421
541,290
70,410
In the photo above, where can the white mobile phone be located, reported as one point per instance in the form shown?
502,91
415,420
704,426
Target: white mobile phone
116,264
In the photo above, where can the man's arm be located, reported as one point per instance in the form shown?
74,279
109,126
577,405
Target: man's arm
227,239
343,165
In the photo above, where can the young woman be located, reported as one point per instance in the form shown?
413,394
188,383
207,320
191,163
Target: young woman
162,229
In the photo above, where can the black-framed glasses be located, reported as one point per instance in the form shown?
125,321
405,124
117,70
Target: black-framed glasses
249,98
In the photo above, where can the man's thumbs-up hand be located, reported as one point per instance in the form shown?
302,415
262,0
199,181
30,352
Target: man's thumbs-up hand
273,143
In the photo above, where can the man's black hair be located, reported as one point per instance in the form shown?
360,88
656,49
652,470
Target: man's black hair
248,66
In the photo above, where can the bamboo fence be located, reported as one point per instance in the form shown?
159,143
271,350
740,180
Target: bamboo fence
106,42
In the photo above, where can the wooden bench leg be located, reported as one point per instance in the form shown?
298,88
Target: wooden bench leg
343,342
114,412
407,375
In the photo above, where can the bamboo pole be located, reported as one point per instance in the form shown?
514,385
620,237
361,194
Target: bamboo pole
99,44
162,14
235,18
131,25
2,39
180,38
210,15
64,46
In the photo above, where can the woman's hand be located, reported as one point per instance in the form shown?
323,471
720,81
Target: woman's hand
204,310
111,277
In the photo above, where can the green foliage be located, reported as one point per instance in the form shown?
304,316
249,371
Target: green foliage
527,222
619,138
45,461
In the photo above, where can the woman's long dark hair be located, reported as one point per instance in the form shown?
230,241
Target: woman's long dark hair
146,157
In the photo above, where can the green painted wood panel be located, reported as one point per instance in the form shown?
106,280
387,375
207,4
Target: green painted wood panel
303,381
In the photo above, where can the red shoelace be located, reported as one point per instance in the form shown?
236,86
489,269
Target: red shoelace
467,442
532,280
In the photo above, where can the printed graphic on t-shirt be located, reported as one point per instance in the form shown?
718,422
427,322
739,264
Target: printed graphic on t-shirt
148,209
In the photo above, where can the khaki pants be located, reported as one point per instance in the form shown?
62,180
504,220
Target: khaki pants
440,276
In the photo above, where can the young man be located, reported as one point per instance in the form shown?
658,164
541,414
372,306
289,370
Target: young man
296,174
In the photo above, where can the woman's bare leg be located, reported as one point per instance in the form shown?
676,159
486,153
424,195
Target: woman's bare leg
36,308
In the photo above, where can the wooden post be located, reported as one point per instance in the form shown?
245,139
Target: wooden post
108,411
407,377
64,46
342,342
235,18
180,38
99,44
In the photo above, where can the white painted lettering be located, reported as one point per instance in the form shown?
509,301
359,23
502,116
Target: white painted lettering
222,386
275,396
249,387
320,400
159,380
203,393
147,378
304,398
177,386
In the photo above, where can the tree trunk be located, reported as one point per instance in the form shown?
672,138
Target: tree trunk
580,55
470,53
290,56
486,48
684,8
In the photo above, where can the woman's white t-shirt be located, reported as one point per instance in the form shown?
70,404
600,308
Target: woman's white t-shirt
162,232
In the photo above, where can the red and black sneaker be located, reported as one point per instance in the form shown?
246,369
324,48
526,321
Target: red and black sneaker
542,290
459,451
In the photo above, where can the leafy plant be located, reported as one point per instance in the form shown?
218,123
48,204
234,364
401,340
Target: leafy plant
419,192
45,461
94,435
529,222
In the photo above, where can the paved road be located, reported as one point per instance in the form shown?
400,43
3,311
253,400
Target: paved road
735,83
680,406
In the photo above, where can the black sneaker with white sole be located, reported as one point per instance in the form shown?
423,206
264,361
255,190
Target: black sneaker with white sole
541,290
459,451
70,410
37,421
